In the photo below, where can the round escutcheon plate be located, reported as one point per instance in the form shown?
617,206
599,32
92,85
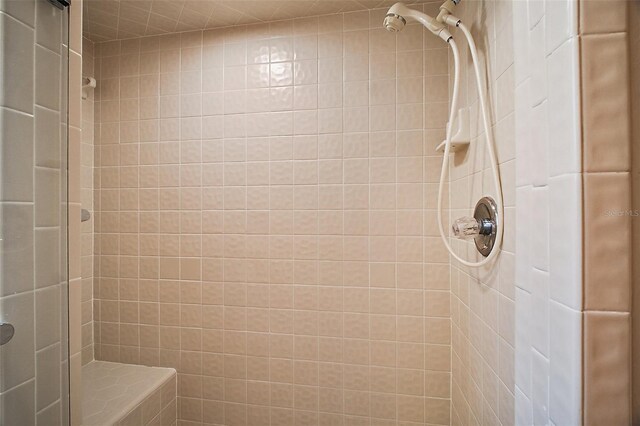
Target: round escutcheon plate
486,212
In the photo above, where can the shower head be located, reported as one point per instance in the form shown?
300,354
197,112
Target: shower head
397,16
394,23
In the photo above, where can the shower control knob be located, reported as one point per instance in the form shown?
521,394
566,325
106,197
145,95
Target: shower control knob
482,227
465,228
469,227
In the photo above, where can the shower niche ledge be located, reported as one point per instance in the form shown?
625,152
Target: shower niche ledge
460,138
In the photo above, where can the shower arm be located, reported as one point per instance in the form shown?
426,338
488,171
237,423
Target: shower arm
445,16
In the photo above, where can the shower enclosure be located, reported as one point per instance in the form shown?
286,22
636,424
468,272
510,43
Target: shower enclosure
34,360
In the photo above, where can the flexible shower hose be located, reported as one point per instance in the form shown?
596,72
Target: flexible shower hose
489,140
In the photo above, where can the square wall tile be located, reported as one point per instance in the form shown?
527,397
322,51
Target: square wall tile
603,16
605,103
607,360
607,241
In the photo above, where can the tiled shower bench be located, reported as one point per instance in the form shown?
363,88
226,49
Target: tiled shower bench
128,395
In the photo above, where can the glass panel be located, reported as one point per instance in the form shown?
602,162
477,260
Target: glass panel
34,384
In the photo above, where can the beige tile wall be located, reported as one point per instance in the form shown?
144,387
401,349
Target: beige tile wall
483,301
634,61
265,220
86,178
606,95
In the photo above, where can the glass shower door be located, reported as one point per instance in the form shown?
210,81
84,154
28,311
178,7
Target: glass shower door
34,379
